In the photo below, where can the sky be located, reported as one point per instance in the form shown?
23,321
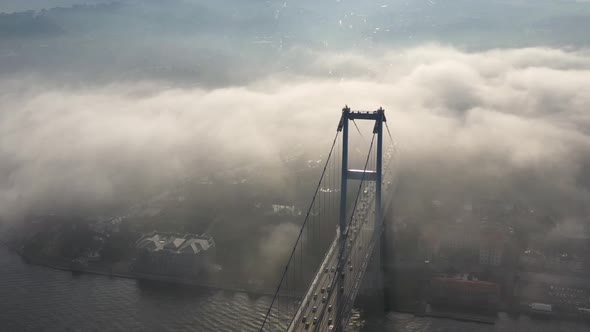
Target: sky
483,96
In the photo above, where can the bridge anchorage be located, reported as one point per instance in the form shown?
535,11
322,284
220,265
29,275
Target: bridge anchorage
339,234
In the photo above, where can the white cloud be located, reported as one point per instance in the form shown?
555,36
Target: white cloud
491,114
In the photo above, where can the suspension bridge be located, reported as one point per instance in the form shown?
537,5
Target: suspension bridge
342,230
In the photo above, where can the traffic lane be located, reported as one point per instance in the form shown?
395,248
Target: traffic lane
336,297
315,287
325,321
349,282
332,299
343,296
322,282
353,283
334,283
324,313
358,255
327,282
308,313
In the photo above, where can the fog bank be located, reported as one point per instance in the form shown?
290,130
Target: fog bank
499,121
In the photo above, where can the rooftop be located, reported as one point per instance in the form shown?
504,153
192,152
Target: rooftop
462,284
176,243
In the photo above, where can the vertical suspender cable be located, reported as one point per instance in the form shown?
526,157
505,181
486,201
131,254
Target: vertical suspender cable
300,233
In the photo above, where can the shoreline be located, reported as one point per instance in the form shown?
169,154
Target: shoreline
429,311
62,265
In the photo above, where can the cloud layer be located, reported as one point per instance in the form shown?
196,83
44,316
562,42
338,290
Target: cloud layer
499,121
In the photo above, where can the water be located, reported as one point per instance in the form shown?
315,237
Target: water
34,298
409,323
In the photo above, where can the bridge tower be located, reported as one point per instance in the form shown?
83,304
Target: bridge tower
376,274
364,175
331,294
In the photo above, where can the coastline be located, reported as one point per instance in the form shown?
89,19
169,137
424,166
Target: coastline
113,272
423,310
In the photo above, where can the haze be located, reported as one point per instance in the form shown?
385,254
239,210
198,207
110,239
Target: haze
105,103
139,91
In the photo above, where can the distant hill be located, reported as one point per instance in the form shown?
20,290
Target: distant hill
13,6
26,25
195,39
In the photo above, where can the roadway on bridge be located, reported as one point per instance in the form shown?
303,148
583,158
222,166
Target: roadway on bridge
332,290
340,282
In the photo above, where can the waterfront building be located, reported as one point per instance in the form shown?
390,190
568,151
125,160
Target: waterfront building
465,292
172,254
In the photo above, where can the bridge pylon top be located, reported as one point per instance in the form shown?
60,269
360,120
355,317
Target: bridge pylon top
347,115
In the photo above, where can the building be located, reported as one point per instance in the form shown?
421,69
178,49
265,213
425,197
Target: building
532,259
106,226
464,291
490,255
563,250
574,228
285,210
459,236
536,260
492,246
171,254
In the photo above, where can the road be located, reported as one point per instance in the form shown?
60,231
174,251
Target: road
331,294
333,290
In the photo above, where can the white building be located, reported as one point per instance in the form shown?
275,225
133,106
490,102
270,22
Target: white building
174,254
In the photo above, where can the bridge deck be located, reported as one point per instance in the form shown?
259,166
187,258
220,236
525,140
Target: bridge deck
332,293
